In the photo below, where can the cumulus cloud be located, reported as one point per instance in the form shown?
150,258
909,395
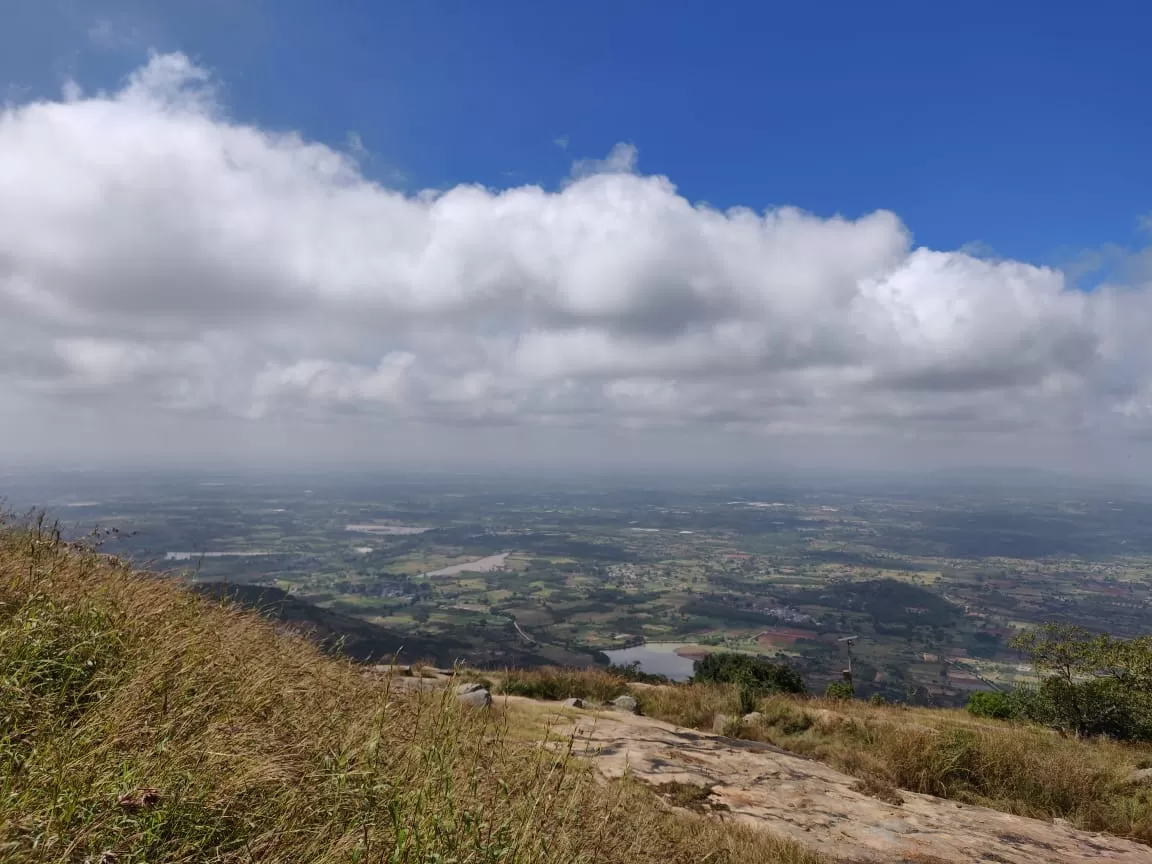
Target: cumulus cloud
156,254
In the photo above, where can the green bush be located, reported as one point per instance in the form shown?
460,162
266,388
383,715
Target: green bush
633,672
749,698
748,671
839,690
992,704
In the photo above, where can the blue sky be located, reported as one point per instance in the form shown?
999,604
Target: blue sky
1020,126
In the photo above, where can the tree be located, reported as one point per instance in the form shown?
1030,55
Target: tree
1089,684
730,667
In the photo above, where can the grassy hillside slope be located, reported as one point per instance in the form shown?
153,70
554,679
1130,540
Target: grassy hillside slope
142,722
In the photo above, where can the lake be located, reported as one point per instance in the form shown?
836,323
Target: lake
656,658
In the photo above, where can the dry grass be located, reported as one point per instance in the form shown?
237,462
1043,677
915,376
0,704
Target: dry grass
1012,767
877,788
689,796
139,722
693,706
562,683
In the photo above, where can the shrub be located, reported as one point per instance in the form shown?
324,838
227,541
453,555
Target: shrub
841,690
691,705
994,705
748,696
633,672
785,716
747,670
557,683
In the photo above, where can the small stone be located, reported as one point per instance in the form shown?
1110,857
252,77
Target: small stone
626,703
574,702
469,687
475,698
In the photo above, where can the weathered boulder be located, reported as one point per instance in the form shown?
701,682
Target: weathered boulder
722,723
626,703
574,702
475,698
469,687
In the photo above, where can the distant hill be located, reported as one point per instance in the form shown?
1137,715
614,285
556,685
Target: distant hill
359,639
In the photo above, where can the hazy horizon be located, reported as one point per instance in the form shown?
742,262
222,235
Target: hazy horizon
80,479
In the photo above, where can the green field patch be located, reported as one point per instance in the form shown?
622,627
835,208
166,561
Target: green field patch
527,616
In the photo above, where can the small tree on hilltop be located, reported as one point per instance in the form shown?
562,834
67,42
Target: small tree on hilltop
1090,684
747,670
840,690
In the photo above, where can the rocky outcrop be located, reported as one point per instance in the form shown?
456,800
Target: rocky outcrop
789,795
829,811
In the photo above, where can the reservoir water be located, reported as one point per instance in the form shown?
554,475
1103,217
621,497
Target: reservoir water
656,658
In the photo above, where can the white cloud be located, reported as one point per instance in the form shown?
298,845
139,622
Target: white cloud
106,35
157,255
356,145
621,159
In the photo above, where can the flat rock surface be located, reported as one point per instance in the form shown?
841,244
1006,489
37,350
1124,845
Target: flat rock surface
816,805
